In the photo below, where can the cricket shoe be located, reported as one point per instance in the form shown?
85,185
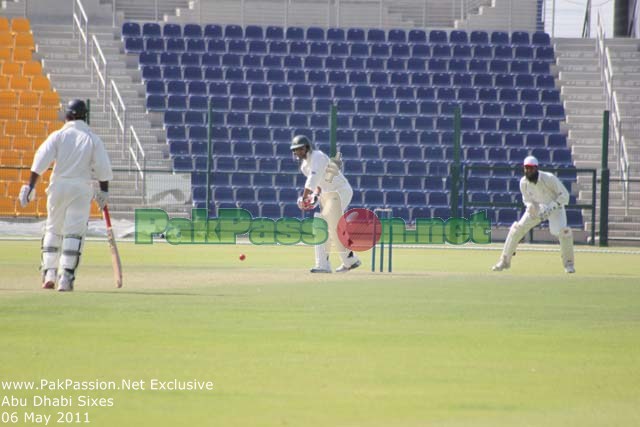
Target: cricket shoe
49,279
65,282
344,268
569,268
501,265
321,269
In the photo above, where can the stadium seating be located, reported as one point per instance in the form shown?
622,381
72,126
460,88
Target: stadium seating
396,92
29,111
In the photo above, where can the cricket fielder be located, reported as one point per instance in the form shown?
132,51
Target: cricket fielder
545,198
327,186
78,154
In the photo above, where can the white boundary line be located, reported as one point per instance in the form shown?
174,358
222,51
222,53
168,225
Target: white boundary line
525,247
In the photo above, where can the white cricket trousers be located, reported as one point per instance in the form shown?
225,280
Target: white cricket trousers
334,204
68,207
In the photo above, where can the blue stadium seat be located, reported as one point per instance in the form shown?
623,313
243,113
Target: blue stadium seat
540,38
253,32
151,29
458,36
417,36
557,141
397,36
507,216
233,32
131,29
171,30
274,33
213,31
540,67
523,52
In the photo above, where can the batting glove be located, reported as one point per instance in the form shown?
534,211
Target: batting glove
310,203
102,198
27,194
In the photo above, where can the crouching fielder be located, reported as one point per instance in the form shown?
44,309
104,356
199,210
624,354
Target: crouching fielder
327,186
545,198
78,153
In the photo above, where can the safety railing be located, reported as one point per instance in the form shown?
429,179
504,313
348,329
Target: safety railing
615,118
119,112
99,69
138,158
367,13
81,30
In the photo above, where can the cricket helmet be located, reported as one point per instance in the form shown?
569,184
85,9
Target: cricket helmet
76,110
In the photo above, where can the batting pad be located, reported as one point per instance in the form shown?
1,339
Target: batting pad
50,251
566,246
71,251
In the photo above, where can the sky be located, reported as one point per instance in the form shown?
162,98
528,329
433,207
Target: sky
569,17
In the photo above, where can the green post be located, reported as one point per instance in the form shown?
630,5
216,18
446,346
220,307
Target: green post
209,159
455,167
604,182
333,136
88,111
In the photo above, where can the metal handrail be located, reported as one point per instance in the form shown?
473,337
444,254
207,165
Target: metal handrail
619,143
119,110
586,25
100,66
420,12
81,24
139,158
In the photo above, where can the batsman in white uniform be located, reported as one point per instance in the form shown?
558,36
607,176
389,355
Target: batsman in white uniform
79,155
327,186
544,197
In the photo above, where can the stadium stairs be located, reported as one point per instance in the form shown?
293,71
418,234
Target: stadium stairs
503,15
58,50
579,76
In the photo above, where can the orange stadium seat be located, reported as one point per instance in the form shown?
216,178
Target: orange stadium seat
7,113
4,82
49,114
30,210
23,143
7,206
54,125
22,54
11,68
4,24
40,83
11,158
36,129
24,40
27,113
6,39
32,68
13,188
6,53
10,174
3,188
8,98
5,141
20,24
19,82
51,99
14,128
29,97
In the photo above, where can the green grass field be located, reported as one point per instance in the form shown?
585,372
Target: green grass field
442,341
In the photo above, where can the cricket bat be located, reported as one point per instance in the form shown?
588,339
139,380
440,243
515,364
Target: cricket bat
115,256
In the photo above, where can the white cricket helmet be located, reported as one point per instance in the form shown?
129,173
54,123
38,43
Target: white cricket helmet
530,161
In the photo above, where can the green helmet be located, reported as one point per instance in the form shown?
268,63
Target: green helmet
300,141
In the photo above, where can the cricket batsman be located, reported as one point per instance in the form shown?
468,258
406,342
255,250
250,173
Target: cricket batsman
79,154
328,187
